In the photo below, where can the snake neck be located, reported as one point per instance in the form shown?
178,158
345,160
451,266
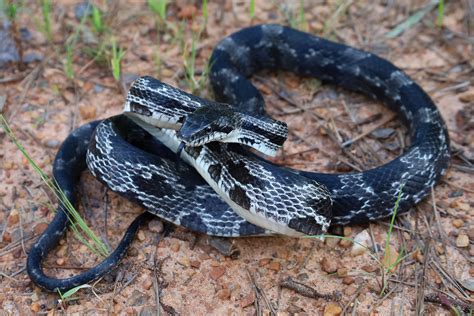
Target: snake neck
261,133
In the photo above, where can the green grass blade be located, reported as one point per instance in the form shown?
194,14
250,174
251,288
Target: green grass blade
78,225
411,21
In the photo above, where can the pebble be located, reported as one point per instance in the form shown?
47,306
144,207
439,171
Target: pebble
457,223
195,264
328,265
467,97
141,235
155,226
342,272
462,240
263,262
345,243
60,261
223,294
348,280
275,266
332,309
361,243
88,112
248,300
175,245
216,272
331,242
350,290
14,217
369,268
35,307
52,143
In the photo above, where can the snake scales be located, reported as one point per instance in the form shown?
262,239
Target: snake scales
132,162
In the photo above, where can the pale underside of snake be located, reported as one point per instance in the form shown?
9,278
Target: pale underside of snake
221,188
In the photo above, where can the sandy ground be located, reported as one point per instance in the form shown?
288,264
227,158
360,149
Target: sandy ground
180,272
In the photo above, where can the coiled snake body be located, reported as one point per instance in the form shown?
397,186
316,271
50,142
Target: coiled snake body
234,192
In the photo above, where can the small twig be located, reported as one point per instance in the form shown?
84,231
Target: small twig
449,302
369,130
260,293
307,291
354,297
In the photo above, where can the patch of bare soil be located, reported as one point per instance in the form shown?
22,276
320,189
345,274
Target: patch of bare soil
180,273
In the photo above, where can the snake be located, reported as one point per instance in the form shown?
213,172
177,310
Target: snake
201,164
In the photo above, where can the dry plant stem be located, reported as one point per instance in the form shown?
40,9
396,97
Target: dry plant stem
260,293
307,291
449,302
354,297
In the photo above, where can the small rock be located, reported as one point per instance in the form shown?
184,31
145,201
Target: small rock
275,266
155,226
342,272
345,243
462,240
467,97
383,133
350,290
361,243
40,228
34,297
348,280
223,294
216,272
195,264
457,223
328,265
52,143
332,309
187,12
35,307
14,217
263,262
331,242
141,235
60,261
88,112
369,268
248,300
175,245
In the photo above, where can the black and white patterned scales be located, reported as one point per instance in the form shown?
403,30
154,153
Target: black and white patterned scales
139,167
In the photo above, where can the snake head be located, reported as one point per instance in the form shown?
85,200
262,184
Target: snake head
207,124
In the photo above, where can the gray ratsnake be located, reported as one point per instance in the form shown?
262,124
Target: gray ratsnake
223,189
